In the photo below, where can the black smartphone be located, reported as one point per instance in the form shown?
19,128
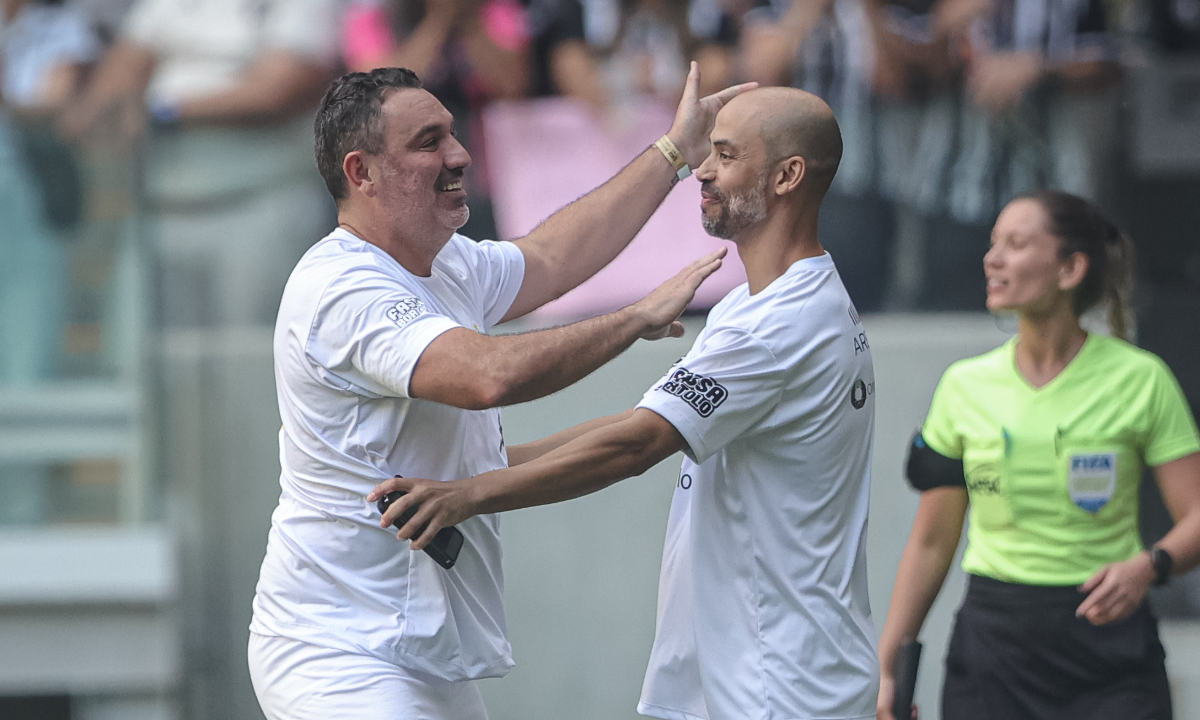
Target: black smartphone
908,657
446,544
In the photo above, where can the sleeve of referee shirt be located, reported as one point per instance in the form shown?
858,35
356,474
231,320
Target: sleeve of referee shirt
368,334
938,430
1173,433
718,391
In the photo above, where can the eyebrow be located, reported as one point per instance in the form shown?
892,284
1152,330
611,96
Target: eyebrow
429,129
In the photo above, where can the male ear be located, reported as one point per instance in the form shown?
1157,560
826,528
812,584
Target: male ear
358,172
792,172
1073,270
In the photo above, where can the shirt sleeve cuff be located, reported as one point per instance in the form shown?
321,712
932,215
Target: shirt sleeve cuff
514,259
419,335
682,418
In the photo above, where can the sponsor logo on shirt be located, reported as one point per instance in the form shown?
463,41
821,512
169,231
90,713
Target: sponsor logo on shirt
853,314
405,311
983,478
703,393
859,392
860,343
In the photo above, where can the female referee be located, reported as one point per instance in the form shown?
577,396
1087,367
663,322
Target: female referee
1043,441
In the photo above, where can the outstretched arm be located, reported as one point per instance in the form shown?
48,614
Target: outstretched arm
587,463
473,371
521,454
574,243
923,567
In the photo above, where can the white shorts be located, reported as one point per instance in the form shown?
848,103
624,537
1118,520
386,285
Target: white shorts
297,681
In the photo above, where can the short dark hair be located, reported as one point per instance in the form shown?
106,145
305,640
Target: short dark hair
349,119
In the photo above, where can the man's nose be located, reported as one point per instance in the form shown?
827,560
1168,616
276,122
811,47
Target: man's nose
707,169
457,155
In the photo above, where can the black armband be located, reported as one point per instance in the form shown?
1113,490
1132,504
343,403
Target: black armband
927,468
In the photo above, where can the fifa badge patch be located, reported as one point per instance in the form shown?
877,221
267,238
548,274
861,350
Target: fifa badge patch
1092,479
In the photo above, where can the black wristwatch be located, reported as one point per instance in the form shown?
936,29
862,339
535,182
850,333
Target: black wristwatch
1162,562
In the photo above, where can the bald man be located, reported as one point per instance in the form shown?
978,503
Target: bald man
762,607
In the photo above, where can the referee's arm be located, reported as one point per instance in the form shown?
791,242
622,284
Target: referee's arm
584,464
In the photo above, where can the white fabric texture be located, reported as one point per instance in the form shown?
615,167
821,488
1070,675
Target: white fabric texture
297,681
39,39
203,46
762,607
352,325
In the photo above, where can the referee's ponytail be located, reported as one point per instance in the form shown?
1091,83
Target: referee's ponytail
1111,259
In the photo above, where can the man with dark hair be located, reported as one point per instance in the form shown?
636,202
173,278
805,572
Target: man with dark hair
384,367
762,605
350,120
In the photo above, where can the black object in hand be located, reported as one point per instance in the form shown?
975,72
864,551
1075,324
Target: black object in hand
445,545
908,657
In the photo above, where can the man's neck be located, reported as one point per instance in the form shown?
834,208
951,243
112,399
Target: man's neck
769,248
415,257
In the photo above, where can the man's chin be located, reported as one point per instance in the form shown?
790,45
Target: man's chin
716,228
460,218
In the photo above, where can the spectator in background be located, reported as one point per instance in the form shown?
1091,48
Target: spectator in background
827,47
467,52
647,45
43,50
562,61
230,179
997,97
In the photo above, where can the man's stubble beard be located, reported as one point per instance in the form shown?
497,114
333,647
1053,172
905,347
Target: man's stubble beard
738,212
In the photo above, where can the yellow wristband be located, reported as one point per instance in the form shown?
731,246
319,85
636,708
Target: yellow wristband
673,156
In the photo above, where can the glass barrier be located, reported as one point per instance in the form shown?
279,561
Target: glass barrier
71,323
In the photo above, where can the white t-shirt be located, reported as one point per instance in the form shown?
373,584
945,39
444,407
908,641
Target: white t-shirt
39,39
203,47
352,325
762,599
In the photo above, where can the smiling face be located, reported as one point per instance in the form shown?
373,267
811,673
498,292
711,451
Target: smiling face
420,183
733,189
1024,268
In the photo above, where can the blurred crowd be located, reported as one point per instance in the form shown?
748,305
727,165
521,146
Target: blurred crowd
947,108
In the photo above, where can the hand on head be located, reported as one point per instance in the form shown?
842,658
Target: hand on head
695,116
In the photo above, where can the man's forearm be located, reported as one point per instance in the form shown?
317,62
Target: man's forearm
577,241
472,371
520,454
590,462
278,85
124,73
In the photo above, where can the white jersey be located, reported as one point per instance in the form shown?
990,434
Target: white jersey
352,325
762,599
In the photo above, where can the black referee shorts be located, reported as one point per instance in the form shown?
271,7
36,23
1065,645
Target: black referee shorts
1019,653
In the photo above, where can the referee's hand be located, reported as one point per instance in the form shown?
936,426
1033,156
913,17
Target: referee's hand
660,310
1116,590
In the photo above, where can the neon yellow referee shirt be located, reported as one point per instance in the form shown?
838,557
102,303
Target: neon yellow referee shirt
1052,473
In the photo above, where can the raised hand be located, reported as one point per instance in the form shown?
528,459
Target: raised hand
660,310
695,116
